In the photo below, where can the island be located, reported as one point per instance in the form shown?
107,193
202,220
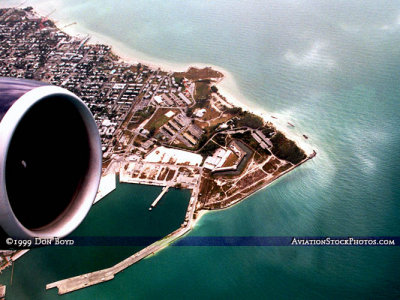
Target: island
158,127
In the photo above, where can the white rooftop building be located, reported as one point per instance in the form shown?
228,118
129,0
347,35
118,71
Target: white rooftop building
173,156
169,114
158,99
200,113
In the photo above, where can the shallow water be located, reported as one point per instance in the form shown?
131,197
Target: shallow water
330,68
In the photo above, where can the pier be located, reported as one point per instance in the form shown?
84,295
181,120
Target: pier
82,281
164,191
89,279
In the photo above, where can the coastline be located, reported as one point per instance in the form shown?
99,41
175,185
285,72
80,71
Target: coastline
263,186
227,85
188,225
352,184
71,284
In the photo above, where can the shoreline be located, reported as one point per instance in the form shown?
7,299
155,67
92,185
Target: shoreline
71,284
64,286
227,85
257,189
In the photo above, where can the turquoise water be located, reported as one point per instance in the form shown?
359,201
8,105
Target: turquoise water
329,67
124,212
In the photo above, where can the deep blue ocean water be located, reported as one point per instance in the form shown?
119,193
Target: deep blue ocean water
329,67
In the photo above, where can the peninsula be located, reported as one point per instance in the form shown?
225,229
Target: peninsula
164,128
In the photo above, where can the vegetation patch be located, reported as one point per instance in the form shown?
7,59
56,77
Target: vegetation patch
203,90
220,139
271,165
284,168
268,130
248,119
286,149
209,149
210,114
249,179
197,74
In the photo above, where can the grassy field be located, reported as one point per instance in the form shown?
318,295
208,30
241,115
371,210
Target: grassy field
210,114
203,90
159,118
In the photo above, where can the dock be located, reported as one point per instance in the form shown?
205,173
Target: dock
82,281
165,190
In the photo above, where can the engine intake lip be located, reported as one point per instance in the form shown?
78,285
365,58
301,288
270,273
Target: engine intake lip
76,211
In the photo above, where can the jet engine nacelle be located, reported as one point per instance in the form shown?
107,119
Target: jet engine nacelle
50,159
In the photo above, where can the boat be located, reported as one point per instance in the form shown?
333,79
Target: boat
274,117
290,124
306,137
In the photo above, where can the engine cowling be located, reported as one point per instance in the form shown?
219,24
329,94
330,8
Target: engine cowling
50,159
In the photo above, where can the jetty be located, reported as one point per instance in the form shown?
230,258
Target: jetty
82,281
163,192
